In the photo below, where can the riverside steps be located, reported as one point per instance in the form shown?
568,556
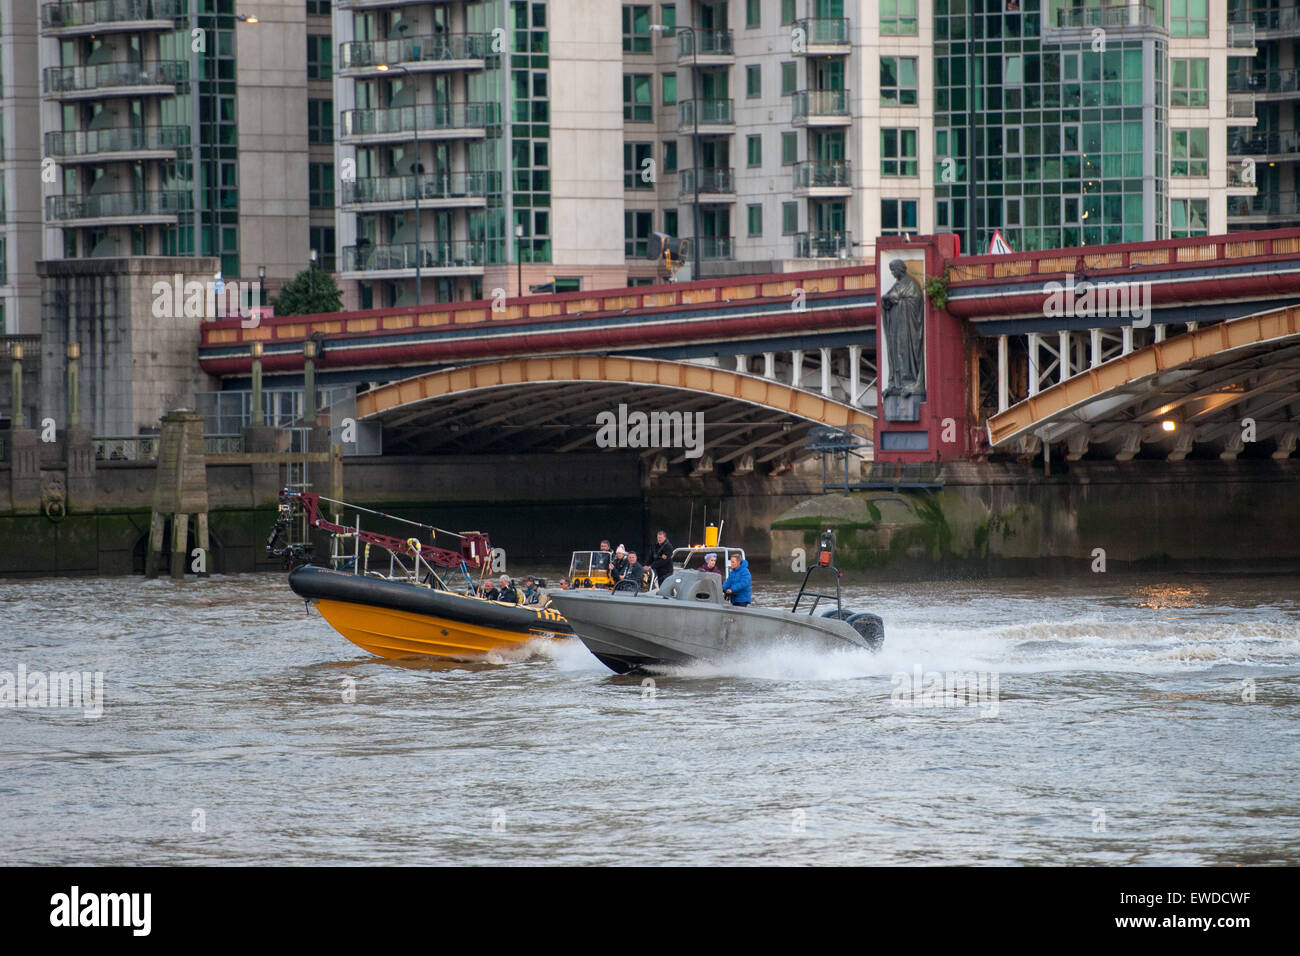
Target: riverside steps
1009,413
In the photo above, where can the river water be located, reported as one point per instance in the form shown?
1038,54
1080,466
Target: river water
1113,720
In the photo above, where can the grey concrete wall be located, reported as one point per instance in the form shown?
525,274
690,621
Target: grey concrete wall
135,365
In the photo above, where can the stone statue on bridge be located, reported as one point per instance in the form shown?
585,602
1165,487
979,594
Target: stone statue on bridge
904,326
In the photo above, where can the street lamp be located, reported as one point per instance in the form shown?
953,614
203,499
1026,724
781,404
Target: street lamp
695,138
415,157
519,258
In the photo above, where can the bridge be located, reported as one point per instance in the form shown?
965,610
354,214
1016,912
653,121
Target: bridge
1181,349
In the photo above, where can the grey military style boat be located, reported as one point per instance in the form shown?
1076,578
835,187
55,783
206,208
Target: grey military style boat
687,619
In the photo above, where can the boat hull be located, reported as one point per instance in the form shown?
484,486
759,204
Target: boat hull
632,633
393,619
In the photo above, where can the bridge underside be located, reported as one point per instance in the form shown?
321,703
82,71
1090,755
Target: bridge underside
573,404
1223,391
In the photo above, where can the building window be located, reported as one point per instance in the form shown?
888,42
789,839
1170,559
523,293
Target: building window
898,81
755,213
898,155
320,58
638,166
637,107
898,17
1189,18
670,222
1190,84
670,156
318,8
636,232
789,149
753,81
668,14
321,238
787,12
752,13
670,89
754,150
320,121
1190,154
789,218
320,178
898,217
636,29
789,78
1188,217
567,284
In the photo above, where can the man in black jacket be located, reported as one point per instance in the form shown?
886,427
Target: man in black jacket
506,592
638,572
661,561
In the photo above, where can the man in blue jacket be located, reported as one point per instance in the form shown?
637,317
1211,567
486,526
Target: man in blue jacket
738,586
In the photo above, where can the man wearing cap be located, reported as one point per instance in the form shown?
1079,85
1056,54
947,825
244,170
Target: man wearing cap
711,564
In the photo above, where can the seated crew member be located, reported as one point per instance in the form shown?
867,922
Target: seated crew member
638,572
506,591
711,564
618,567
739,585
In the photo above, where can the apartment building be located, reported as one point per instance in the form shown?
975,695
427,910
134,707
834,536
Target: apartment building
1269,151
20,170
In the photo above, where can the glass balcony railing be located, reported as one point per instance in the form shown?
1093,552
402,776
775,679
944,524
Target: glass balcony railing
823,172
1265,81
447,185
712,112
55,16
113,205
1265,204
712,181
1285,19
1262,143
711,43
822,245
824,31
1241,105
717,247
67,79
455,46
406,119
115,140
818,103
1241,34
1111,15
1237,177
438,254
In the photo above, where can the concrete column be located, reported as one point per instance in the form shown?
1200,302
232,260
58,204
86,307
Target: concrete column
1033,363
1004,386
769,365
255,350
1127,333
1094,344
855,359
1159,333
74,413
796,367
1063,361
741,364
25,471
826,372
16,372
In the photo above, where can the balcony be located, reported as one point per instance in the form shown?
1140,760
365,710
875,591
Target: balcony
822,245
368,4
717,247
1241,36
108,16
823,36
716,48
1263,145
442,120
823,177
1237,177
1264,204
821,107
715,183
443,189
1267,84
161,206
1109,15
465,256
455,51
715,115
134,79
1241,109
1275,23
118,144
